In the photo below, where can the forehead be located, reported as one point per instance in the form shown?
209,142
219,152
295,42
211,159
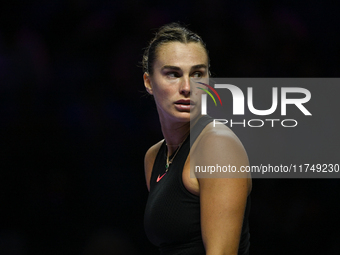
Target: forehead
181,54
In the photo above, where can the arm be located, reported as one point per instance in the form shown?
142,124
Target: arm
223,200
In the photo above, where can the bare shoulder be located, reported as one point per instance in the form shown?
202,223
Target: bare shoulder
219,140
218,146
149,160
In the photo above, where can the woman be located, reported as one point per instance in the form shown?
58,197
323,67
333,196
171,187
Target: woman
190,215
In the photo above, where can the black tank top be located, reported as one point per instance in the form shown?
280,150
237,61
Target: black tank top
172,214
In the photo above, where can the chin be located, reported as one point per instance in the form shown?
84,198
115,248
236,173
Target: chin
188,116
183,116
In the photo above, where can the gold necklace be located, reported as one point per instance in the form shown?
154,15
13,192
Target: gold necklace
169,161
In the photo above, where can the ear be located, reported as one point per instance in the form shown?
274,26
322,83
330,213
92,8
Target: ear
147,83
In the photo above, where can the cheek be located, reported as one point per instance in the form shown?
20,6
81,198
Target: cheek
196,93
162,94
163,89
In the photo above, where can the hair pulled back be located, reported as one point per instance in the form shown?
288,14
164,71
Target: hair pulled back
172,32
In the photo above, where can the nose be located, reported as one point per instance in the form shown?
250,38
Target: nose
185,87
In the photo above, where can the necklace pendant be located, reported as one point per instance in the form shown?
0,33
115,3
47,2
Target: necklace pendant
166,166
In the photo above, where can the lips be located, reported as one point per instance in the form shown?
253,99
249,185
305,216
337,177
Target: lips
184,105
184,102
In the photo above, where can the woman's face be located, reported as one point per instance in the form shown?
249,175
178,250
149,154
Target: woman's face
176,69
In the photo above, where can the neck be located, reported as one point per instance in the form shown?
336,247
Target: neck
175,134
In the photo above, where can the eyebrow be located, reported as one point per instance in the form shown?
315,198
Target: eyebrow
199,66
171,67
178,69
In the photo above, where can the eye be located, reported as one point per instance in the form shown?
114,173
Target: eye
197,75
172,75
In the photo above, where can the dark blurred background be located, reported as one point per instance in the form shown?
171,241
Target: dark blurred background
75,122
